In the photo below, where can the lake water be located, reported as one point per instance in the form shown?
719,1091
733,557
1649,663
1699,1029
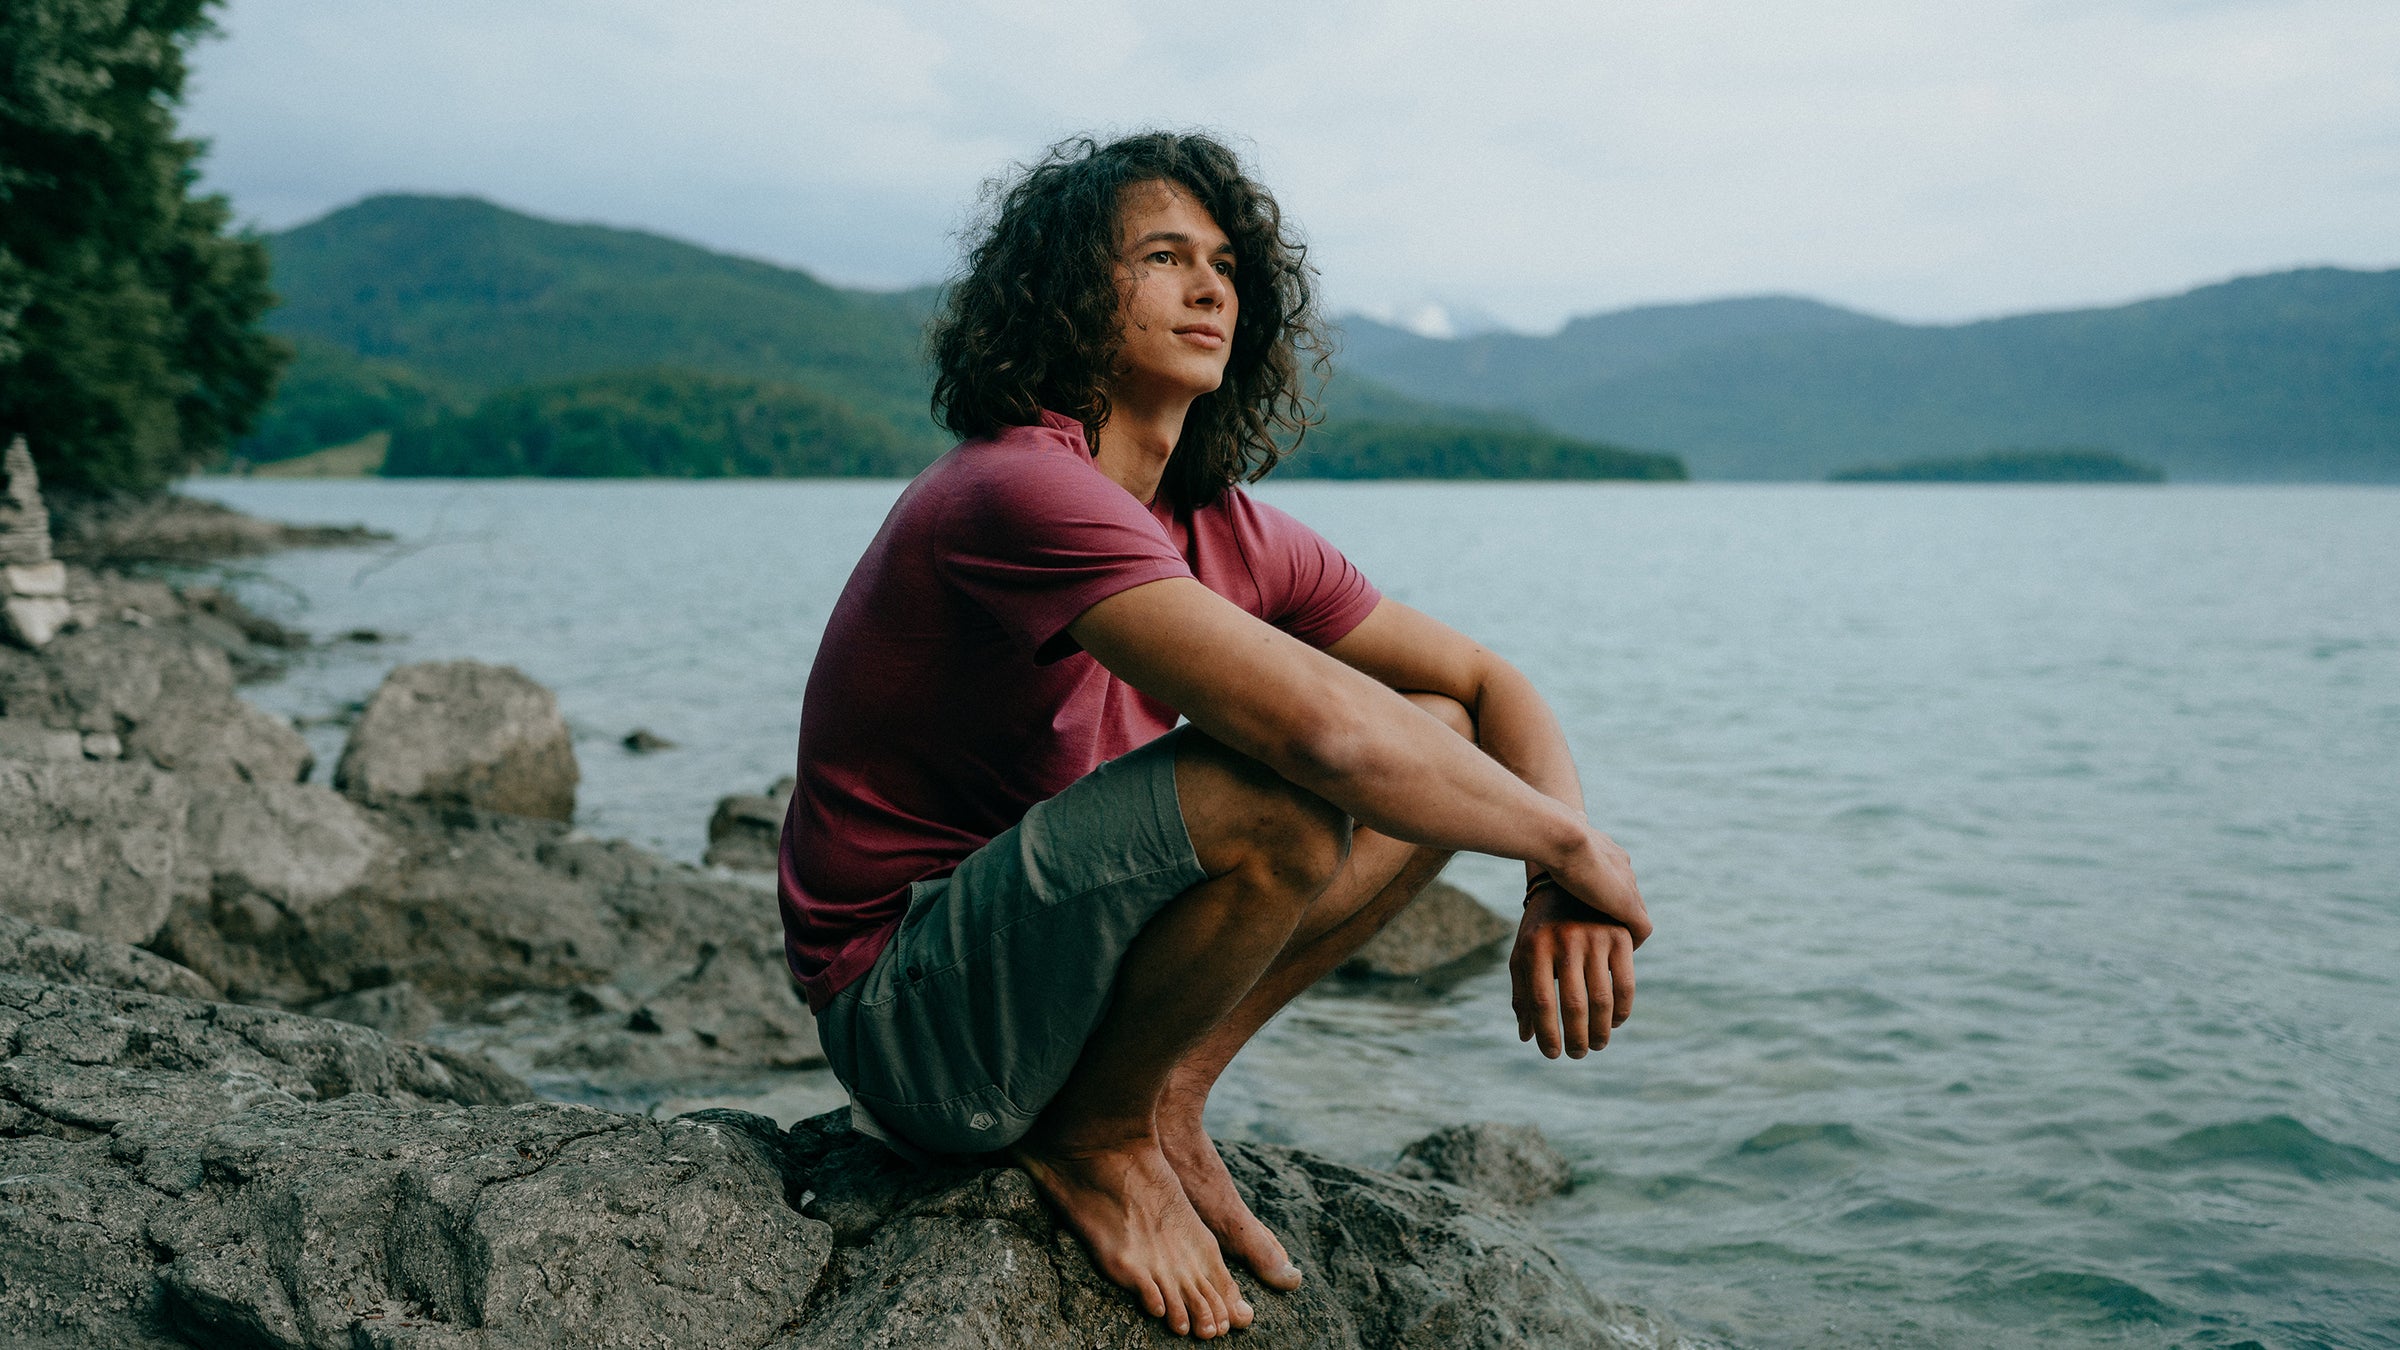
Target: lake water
2026,861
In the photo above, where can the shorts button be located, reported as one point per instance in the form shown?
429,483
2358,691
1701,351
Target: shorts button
981,1120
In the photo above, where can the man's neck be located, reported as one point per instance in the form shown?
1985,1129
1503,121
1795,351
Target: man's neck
1136,441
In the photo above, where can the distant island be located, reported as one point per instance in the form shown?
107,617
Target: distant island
1355,448
2010,466
446,336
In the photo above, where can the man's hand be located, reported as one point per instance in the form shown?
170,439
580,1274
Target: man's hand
1598,872
1571,974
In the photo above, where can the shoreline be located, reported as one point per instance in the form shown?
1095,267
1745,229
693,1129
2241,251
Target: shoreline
426,915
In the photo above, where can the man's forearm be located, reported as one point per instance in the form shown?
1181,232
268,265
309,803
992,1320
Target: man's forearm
1331,724
1515,726
1397,769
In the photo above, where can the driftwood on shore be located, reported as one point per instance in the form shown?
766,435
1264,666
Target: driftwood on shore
195,1151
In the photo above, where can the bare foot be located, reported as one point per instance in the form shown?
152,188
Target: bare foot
1210,1189
1124,1202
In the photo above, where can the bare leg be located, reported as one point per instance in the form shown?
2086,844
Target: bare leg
1269,849
1381,876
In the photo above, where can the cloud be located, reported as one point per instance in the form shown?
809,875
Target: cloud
1535,160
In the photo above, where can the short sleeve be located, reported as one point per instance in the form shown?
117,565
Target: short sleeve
1037,537
1306,586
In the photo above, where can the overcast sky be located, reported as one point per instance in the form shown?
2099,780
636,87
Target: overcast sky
1922,159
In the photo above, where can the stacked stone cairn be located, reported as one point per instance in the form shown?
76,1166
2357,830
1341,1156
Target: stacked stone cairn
33,585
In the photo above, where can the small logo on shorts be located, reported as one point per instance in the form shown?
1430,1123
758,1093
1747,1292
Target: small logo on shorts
982,1120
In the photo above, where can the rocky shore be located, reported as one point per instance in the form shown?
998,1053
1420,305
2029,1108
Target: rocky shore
297,1057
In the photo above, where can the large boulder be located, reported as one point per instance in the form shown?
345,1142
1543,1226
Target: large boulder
970,1256
96,848
1441,926
61,956
463,732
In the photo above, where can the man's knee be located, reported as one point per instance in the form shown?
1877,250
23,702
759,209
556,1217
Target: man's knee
1449,711
1240,813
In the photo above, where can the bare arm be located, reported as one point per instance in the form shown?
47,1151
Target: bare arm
1343,733
1571,972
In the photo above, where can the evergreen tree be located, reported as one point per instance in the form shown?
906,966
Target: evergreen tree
129,343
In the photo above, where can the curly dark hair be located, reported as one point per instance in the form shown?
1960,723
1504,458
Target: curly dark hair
1033,323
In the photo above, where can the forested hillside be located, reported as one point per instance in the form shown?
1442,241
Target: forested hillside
2292,376
492,342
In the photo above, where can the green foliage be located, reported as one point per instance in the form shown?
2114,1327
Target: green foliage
655,423
330,396
2063,465
479,298
1345,448
129,350
473,297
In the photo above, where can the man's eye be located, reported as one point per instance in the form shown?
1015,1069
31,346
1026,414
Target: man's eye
1161,256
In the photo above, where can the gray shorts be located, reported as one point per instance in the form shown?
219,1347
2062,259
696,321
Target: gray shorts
972,1018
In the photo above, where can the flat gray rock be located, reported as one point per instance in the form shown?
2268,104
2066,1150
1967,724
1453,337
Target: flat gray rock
358,1223
60,956
78,1061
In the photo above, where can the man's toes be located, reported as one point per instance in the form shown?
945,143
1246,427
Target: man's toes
1208,1311
1227,1294
1176,1314
1147,1290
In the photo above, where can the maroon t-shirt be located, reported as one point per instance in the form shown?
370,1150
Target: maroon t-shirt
948,697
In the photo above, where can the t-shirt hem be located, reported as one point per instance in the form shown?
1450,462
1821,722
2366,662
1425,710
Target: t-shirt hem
1344,626
855,958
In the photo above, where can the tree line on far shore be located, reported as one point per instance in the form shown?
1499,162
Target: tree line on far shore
686,424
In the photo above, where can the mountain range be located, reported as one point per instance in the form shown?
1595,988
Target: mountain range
2283,377
412,310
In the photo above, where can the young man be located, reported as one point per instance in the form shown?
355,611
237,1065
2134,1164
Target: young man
1030,913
